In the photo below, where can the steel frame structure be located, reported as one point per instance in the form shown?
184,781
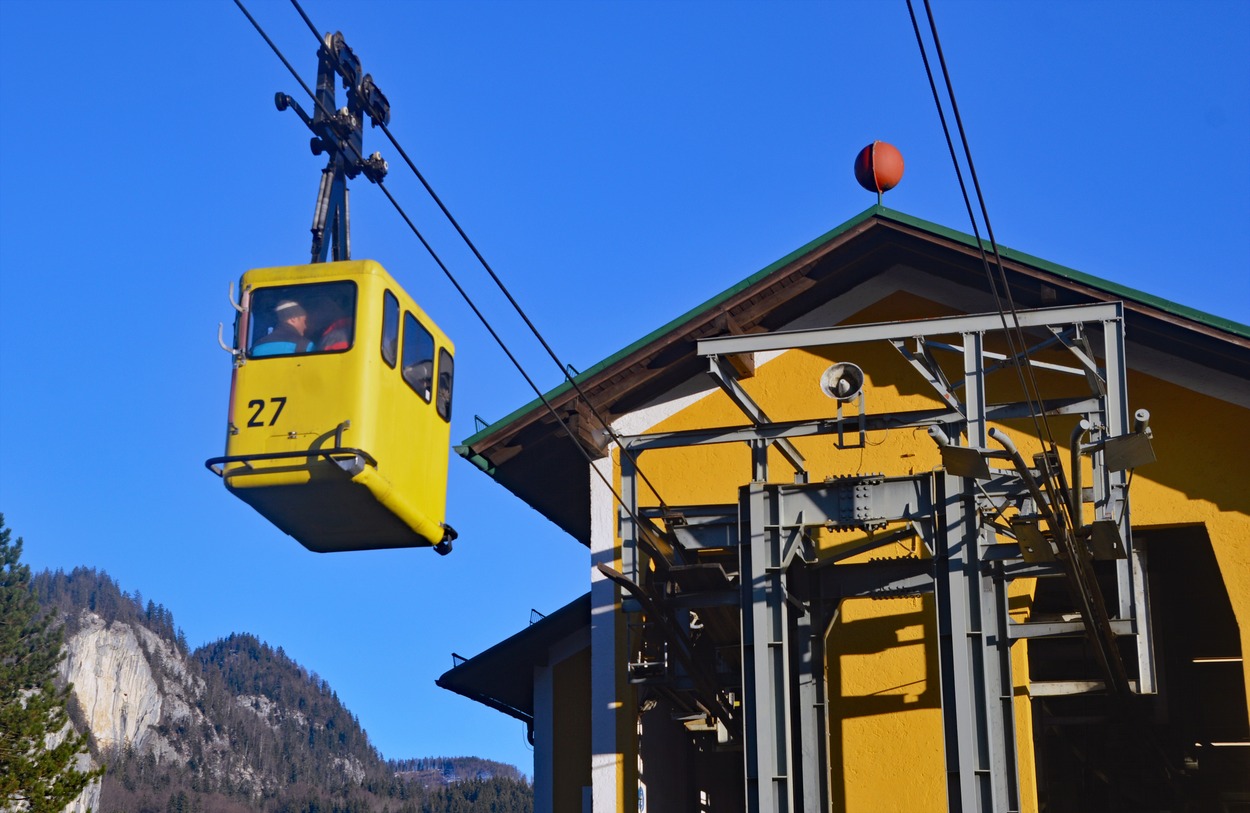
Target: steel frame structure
787,595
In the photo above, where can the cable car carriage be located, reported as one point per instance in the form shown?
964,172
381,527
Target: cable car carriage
340,409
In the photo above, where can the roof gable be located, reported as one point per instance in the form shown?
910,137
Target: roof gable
531,455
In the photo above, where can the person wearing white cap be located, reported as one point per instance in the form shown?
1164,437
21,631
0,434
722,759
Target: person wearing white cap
288,335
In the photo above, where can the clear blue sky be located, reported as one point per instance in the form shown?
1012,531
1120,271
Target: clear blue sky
617,162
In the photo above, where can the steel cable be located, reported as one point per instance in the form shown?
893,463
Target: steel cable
1032,395
564,368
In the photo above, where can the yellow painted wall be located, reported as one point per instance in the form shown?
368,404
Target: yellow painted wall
885,726
570,770
1203,447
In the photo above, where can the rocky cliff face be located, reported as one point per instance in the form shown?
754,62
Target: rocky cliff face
142,697
234,726
133,687
113,683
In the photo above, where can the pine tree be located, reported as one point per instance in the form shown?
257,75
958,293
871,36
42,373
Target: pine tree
33,776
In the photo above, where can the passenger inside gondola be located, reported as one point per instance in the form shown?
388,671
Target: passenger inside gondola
288,335
337,335
293,319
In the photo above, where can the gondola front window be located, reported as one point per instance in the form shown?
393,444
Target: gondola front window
302,319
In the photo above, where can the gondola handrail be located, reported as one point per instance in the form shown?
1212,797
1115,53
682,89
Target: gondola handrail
213,463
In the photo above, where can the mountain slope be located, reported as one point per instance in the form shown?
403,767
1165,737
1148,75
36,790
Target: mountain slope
234,725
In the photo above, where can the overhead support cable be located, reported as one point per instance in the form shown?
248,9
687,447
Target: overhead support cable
564,368
1061,504
1012,329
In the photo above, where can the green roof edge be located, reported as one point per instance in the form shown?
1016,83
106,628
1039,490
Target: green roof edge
465,448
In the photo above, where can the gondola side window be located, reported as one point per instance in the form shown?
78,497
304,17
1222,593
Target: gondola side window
390,329
418,357
302,319
446,374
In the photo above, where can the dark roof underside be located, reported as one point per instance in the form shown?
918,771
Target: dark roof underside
502,677
531,455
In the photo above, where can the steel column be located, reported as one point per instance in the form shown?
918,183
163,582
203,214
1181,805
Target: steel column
967,780
765,657
974,648
1111,501
813,776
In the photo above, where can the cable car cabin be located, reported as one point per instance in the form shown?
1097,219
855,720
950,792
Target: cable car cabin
340,409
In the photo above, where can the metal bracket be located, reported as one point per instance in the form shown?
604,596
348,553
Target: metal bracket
1078,345
930,370
338,133
727,377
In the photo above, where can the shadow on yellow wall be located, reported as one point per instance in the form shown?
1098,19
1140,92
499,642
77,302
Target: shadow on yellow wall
884,705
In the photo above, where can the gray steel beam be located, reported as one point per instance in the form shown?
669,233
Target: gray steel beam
1021,357
974,390
871,542
706,532
892,578
627,528
812,777
975,659
930,371
995,650
974,648
965,770
855,502
884,331
725,376
829,426
1089,368
1060,629
1059,688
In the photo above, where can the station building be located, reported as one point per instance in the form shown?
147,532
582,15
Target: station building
907,632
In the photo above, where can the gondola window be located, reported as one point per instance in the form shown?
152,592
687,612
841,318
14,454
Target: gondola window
302,319
418,358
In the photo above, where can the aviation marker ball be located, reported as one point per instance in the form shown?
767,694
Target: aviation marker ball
879,167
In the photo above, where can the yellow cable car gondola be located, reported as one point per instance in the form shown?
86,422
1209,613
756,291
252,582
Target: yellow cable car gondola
340,409
340,403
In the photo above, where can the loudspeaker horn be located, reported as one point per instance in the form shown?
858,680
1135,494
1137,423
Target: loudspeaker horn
843,381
